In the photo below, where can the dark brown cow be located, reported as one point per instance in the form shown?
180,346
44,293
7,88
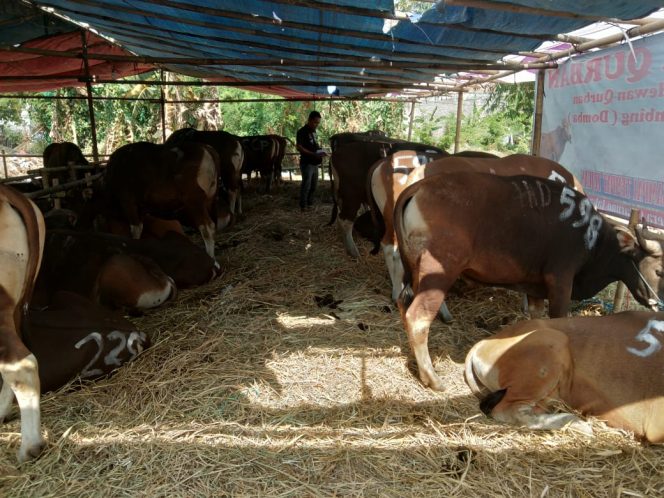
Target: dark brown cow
21,246
61,154
76,338
552,144
281,141
533,235
608,366
392,175
349,167
90,265
231,158
144,178
262,153
361,136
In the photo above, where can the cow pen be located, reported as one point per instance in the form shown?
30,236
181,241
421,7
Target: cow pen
290,375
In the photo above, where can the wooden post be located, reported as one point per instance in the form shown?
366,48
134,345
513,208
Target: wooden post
619,296
4,162
457,134
537,121
91,109
410,120
163,110
57,203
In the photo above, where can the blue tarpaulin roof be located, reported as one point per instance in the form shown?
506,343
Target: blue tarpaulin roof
298,47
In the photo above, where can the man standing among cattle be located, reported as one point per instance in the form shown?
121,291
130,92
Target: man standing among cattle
311,156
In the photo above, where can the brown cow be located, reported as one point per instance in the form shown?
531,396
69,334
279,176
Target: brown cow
349,167
90,265
261,153
61,154
608,366
146,178
529,234
231,158
392,175
74,337
21,247
552,144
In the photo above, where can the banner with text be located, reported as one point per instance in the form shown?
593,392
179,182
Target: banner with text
603,119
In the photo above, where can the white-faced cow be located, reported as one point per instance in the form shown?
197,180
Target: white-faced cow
21,245
392,175
529,234
231,158
609,367
349,167
144,178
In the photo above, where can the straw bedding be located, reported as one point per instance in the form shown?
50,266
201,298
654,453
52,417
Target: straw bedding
290,376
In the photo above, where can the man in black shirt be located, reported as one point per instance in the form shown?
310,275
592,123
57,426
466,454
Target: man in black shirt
311,155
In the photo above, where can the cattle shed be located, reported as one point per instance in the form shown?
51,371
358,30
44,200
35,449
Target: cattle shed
291,374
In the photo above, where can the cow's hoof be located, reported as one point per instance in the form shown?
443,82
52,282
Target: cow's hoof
435,384
30,452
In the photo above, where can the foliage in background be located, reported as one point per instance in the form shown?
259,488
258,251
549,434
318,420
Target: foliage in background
28,125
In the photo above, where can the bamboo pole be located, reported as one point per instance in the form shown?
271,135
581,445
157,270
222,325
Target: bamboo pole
459,116
88,86
163,109
537,123
410,120
619,296
4,163
63,187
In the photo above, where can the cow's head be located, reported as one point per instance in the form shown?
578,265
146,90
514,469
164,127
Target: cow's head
646,250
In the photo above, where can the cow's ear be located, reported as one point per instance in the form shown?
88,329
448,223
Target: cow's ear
626,240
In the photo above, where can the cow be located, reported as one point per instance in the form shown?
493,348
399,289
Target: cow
364,136
21,247
349,166
552,143
77,338
263,153
608,366
392,175
231,158
144,178
529,234
61,154
89,264
281,153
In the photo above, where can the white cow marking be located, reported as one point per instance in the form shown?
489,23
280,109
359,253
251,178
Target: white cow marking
112,358
556,177
646,335
592,221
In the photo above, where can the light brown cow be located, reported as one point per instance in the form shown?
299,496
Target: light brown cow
609,367
552,144
392,175
21,246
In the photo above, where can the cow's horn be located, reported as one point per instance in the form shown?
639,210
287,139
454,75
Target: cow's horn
647,244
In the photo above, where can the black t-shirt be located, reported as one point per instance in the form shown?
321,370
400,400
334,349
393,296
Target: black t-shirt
306,137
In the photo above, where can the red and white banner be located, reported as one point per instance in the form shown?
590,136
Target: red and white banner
603,119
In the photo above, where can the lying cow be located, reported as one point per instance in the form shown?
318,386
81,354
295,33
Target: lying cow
89,265
349,167
529,234
231,157
609,367
74,337
21,245
146,178
392,175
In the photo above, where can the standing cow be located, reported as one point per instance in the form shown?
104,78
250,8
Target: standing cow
608,366
231,157
21,245
263,153
537,236
144,178
552,143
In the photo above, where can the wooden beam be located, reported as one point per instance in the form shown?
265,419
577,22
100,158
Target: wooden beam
537,122
410,120
520,9
88,86
459,118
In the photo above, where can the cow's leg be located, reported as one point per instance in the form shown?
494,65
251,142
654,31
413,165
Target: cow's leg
395,269
559,291
534,306
18,368
198,214
527,416
6,398
417,320
346,229
207,232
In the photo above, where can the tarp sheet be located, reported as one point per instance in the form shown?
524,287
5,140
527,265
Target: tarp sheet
320,31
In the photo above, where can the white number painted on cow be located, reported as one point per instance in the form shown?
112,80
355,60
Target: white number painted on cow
592,221
556,177
96,337
112,358
646,335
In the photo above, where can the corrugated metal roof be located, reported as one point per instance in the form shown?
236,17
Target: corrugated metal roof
360,47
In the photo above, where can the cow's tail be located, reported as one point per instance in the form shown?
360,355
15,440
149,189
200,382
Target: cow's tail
376,215
34,227
335,206
406,296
